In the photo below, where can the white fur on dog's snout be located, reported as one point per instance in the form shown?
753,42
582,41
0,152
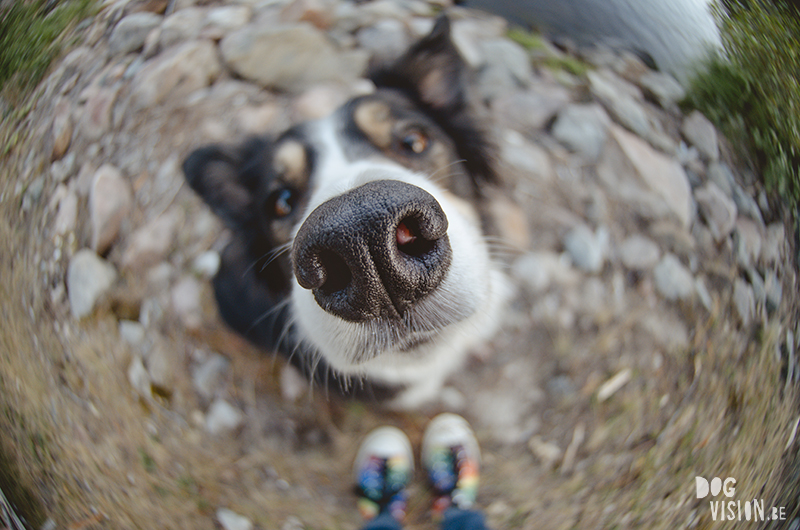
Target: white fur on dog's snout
433,337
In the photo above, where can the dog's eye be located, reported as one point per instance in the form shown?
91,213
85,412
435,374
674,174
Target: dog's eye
281,202
415,142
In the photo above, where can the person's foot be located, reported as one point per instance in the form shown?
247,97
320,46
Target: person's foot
383,466
451,457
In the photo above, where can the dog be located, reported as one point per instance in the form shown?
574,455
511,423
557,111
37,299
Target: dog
358,245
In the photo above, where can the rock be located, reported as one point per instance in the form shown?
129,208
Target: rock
526,156
537,271
673,280
223,418
746,204
67,215
175,74
701,133
621,99
744,301
131,332
159,365
548,453
639,253
110,201
230,520
583,128
774,242
663,88
207,264
718,210
31,193
319,101
293,383
88,278
138,378
150,243
289,57
181,26
773,290
62,128
507,67
721,175
293,523
130,33
667,330
63,169
95,116
628,163
528,112
586,248
209,377
320,13
747,242
223,19
386,40
185,299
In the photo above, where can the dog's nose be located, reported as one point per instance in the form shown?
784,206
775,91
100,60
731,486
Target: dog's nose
373,251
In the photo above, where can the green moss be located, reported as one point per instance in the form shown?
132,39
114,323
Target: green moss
31,34
533,42
526,39
753,92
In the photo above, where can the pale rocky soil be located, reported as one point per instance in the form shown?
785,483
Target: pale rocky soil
651,340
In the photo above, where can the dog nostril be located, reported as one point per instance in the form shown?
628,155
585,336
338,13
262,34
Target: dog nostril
409,239
337,274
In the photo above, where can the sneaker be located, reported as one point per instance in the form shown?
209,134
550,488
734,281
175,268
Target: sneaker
383,466
451,457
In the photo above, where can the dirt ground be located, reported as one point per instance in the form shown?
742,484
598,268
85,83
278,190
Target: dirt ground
81,449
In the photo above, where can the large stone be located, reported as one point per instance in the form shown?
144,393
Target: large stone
530,111
673,280
526,156
701,133
654,183
223,418
95,116
150,243
175,74
289,57
718,210
183,25
622,99
583,128
507,68
130,33
587,249
386,40
88,278
62,128
663,88
639,253
110,201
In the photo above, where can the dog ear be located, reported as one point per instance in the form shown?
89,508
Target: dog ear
433,74
431,70
215,173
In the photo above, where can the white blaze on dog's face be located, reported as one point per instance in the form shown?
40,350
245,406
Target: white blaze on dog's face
381,140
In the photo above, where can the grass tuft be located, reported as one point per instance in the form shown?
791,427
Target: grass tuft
752,91
31,36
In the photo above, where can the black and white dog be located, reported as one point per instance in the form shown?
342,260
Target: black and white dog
358,246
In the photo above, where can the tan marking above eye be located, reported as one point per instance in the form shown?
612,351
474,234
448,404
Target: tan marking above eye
291,163
375,120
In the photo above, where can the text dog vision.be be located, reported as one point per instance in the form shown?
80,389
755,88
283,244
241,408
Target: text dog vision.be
731,510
